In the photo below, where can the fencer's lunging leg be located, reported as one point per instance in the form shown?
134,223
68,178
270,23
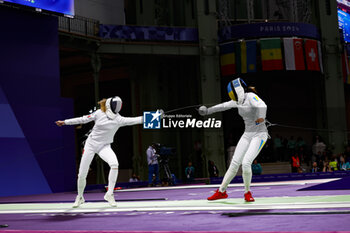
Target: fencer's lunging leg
254,148
85,162
108,155
237,158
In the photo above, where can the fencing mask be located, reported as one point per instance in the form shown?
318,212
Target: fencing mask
113,106
235,90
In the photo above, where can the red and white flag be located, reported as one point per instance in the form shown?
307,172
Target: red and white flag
293,54
311,53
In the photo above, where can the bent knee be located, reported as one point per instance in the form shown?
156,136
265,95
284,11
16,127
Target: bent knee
246,166
82,176
235,163
114,166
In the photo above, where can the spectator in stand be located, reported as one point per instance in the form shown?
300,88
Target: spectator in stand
302,155
315,167
291,146
324,156
256,168
295,162
300,143
318,148
189,172
343,165
326,167
134,178
334,163
212,169
322,162
277,142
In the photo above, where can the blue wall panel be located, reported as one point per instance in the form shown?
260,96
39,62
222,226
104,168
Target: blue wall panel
20,171
30,103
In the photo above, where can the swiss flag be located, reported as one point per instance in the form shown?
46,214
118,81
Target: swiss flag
311,53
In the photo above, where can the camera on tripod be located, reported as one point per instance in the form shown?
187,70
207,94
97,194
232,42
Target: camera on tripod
163,155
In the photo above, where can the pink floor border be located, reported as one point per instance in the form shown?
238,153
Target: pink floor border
78,231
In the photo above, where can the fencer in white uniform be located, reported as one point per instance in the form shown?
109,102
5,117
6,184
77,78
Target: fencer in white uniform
253,111
107,122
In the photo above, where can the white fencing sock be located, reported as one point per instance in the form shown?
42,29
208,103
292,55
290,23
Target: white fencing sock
247,176
81,186
112,179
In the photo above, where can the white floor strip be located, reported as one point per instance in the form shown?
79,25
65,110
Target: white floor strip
294,182
182,208
278,203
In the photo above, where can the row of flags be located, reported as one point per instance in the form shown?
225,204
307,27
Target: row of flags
275,54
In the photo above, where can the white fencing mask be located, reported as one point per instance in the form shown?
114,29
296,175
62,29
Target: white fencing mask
113,106
235,90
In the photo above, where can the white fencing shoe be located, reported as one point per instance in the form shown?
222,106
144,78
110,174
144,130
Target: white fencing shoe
110,199
78,201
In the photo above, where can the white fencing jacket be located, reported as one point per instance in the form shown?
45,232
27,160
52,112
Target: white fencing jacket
104,128
252,108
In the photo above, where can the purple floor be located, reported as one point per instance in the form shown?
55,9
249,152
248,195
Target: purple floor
177,220
178,194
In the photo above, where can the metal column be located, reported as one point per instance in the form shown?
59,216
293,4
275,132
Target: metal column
213,143
334,86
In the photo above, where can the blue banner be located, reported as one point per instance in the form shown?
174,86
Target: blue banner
60,6
260,30
148,33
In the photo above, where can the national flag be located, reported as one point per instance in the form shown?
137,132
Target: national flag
293,54
311,53
227,59
271,54
238,53
245,56
251,56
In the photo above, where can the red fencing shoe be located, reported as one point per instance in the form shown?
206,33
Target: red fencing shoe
218,195
248,197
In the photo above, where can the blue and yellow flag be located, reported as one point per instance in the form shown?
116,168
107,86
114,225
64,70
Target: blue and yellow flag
245,56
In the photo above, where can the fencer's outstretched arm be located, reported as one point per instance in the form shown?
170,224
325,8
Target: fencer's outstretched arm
125,121
217,108
77,120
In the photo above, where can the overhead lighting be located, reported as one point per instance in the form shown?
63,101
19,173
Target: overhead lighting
69,16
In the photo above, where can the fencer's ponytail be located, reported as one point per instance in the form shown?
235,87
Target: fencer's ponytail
251,89
102,104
